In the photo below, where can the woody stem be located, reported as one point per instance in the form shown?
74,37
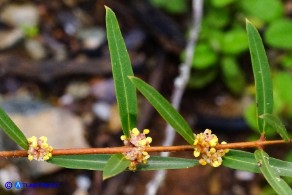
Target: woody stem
114,150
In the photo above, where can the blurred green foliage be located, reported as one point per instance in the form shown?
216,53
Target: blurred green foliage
172,6
222,45
30,31
279,35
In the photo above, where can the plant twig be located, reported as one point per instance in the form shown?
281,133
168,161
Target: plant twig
114,150
179,88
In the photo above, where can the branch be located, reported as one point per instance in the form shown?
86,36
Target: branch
115,150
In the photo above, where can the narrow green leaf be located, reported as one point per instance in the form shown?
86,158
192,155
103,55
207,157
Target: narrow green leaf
271,175
122,68
158,163
12,130
276,125
115,165
98,161
84,161
245,161
240,160
262,75
165,109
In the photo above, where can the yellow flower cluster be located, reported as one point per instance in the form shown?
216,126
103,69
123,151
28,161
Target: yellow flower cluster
138,141
205,144
39,149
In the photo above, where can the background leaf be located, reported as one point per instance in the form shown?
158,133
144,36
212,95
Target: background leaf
278,34
258,9
262,75
205,57
115,165
245,161
12,130
221,3
158,163
233,75
271,175
282,80
277,125
85,161
122,68
202,78
165,109
234,41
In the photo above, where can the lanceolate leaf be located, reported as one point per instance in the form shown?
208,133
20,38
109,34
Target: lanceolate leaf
262,75
122,68
270,173
115,165
85,161
158,163
241,160
276,125
165,109
98,161
12,130
237,159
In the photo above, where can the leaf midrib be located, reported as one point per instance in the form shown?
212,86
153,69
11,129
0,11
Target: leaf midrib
122,73
178,124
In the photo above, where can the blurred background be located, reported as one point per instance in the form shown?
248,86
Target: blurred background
55,80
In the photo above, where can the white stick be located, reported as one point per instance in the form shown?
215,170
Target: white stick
179,88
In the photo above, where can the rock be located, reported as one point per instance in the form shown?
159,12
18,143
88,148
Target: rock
20,15
35,49
244,175
104,90
9,173
92,38
102,110
69,21
114,124
135,39
78,90
8,38
83,184
34,118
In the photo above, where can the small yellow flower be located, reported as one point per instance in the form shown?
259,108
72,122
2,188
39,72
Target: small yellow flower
43,139
146,131
214,141
39,149
30,157
212,150
149,140
204,145
138,141
208,131
216,164
196,153
202,162
32,141
135,132
142,142
123,137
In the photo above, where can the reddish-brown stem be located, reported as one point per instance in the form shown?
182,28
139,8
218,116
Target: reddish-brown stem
114,150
